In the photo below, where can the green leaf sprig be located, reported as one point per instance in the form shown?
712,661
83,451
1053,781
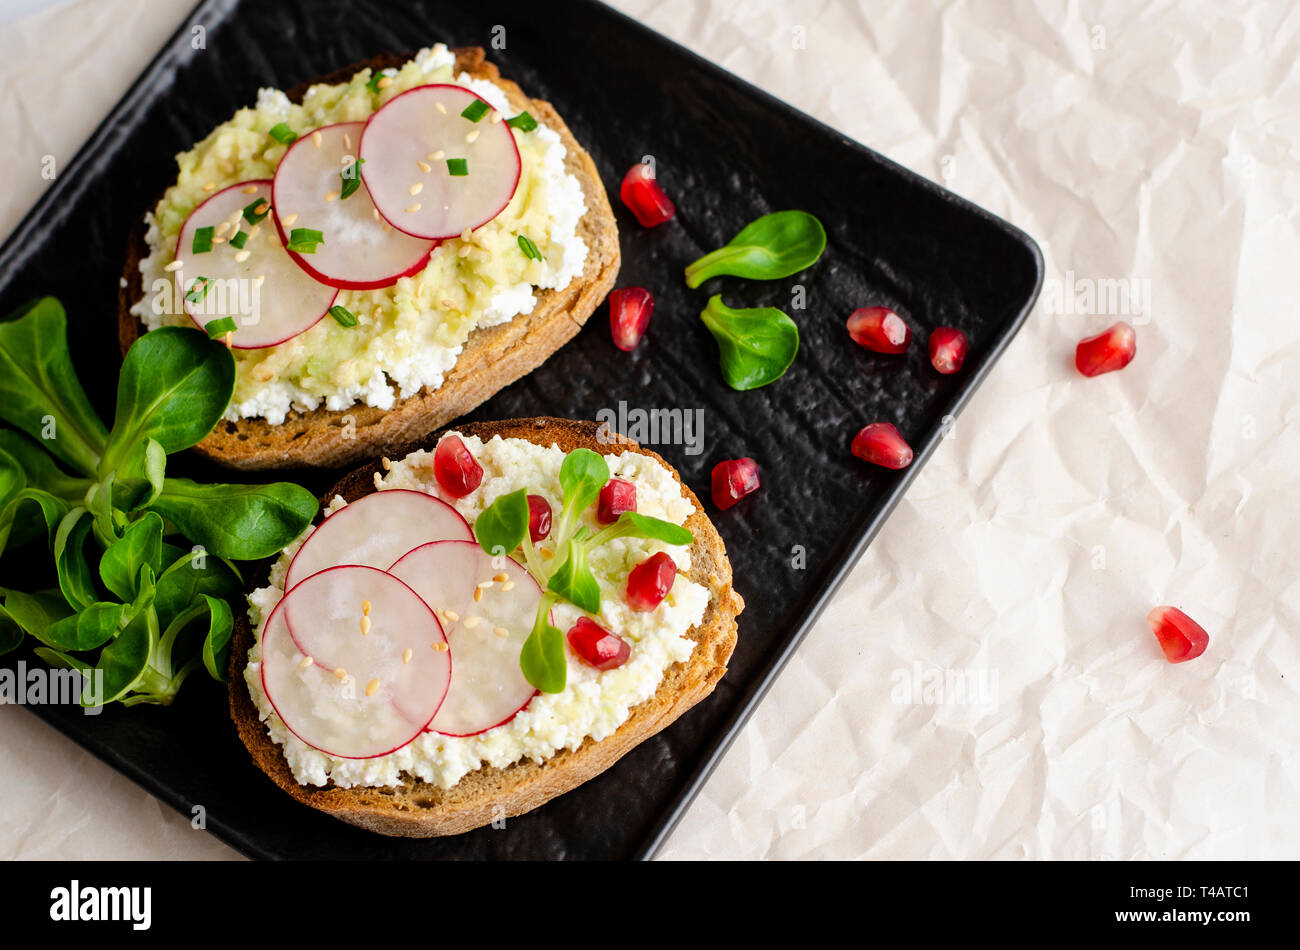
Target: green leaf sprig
755,346
775,245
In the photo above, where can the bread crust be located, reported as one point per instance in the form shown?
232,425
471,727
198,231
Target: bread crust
492,358
419,809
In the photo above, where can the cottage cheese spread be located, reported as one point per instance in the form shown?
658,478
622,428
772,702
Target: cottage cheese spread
593,704
410,334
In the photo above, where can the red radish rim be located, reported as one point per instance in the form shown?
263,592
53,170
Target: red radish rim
300,259
410,491
535,693
420,730
270,182
519,161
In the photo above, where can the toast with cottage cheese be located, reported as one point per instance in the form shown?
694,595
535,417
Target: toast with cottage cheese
492,358
420,809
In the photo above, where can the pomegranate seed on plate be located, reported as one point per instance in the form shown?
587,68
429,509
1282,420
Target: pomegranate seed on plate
455,467
629,314
947,349
539,518
642,194
616,497
1107,351
881,444
879,329
733,479
1181,637
596,646
649,582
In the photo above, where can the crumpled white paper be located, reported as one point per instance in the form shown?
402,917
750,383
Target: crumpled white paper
985,684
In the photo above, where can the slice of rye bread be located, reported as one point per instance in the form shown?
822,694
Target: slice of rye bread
419,809
493,357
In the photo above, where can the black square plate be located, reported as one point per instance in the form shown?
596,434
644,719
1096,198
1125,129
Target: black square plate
726,153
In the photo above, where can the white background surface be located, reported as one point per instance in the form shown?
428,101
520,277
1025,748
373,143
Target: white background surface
1155,141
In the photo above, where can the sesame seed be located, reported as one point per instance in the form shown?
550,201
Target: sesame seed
386,463
424,167
414,207
451,615
384,83
483,585
473,136
305,662
289,220
218,240
440,107
331,196
241,256
436,155
175,265
222,228
262,208
416,188
229,339
347,143
407,654
250,190
372,687
365,608
341,673
501,631
478,595
508,585
467,233
316,139
546,553
501,578
379,480
365,626
209,186
440,647
473,621
496,117
375,212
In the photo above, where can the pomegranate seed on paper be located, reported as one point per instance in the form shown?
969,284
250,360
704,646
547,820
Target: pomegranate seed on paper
596,646
879,329
455,467
733,479
629,315
948,349
643,196
539,518
1181,637
615,498
1107,351
649,582
881,444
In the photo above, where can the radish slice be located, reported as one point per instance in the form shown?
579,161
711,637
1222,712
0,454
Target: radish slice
407,135
375,530
487,686
378,690
269,297
360,251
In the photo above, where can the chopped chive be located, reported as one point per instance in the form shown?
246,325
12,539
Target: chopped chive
373,82
219,327
344,316
523,122
457,167
351,177
239,240
202,241
304,240
282,133
475,110
198,290
529,248
250,212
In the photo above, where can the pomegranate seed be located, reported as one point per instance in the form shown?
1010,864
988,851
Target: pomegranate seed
948,349
649,582
539,517
881,444
629,315
1106,352
616,497
1181,637
733,479
455,467
879,329
596,646
642,194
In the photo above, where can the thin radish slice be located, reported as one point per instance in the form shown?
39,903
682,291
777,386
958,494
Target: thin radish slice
375,530
487,687
424,128
379,690
360,251
269,297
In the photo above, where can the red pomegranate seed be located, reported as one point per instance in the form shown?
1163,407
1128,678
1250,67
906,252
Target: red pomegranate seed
1106,352
649,582
596,646
733,479
879,329
455,467
948,349
629,315
881,444
1181,637
642,194
616,497
539,517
